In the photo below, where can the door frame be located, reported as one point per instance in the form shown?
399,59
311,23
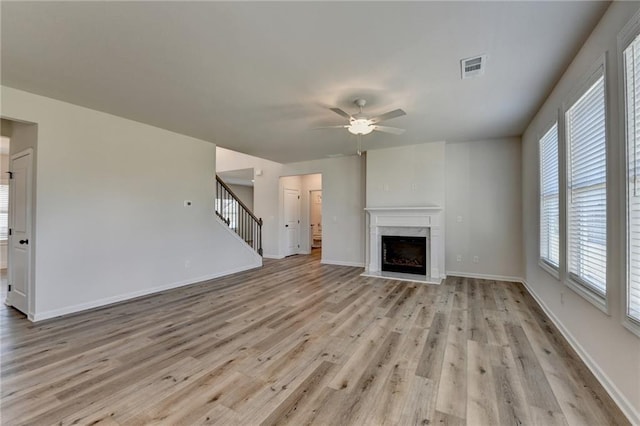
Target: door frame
31,233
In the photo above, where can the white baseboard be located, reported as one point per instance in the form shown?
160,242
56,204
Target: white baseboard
625,406
342,263
41,316
485,276
273,256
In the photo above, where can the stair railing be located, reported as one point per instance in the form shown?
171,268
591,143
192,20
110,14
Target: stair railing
238,216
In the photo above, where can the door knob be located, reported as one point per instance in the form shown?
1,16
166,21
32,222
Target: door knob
24,241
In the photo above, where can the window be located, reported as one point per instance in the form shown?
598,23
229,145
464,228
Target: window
632,130
587,191
549,199
4,212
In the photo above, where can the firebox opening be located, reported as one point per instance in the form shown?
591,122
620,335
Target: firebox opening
404,254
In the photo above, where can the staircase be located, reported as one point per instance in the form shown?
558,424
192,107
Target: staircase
237,216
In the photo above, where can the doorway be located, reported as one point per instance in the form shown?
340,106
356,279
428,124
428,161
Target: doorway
315,218
17,183
301,214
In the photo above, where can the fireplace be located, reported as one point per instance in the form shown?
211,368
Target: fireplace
424,222
404,254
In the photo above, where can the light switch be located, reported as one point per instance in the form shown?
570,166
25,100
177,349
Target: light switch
187,203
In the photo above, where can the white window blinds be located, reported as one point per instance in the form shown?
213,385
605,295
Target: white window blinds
632,104
549,198
586,191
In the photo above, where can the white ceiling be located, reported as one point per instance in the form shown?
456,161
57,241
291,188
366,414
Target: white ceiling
256,77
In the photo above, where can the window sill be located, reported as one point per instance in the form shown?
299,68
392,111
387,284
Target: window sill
553,271
596,300
631,325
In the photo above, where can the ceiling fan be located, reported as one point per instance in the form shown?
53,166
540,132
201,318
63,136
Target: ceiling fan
360,124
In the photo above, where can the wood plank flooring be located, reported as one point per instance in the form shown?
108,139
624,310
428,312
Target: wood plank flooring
297,342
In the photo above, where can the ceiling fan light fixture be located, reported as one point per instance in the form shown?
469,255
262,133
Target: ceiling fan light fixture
360,126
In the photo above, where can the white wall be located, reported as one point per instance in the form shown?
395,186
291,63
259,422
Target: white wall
244,193
611,351
343,203
408,176
265,193
483,208
110,218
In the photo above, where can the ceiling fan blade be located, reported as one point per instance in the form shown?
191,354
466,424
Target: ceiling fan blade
387,129
343,126
388,116
341,113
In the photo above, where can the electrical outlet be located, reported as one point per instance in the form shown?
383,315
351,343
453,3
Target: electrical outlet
187,264
459,258
476,259
459,219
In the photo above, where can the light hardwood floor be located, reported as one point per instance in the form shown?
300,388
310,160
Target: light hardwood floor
298,342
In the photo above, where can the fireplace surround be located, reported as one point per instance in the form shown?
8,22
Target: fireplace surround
425,222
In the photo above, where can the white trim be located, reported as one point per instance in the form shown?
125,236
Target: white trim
485,276
273,256
342,263
609,385
128,296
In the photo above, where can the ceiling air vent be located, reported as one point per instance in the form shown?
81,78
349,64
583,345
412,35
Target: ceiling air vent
473,67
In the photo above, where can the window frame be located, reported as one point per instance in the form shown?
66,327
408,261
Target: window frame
626,36
598,70
543,262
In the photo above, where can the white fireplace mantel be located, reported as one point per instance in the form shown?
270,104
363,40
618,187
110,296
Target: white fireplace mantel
407,221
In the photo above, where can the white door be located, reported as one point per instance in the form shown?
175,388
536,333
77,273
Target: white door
291,221
19,255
